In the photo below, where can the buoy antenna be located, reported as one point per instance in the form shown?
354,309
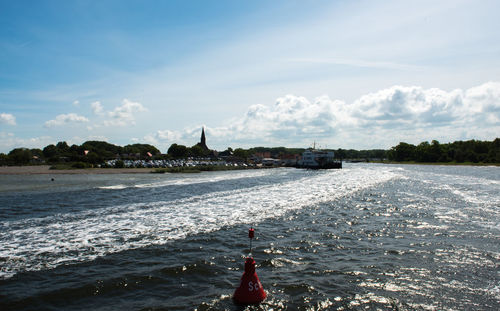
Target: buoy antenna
251,234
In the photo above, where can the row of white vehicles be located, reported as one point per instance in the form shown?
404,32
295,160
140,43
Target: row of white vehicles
171,163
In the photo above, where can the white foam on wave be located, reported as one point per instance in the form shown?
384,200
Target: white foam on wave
114,187
41,243
479,196
472,189
182,179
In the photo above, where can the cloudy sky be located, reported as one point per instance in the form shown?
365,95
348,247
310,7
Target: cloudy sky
343,74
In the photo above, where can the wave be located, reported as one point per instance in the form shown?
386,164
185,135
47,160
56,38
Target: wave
459,199
181,179
44,243
114,187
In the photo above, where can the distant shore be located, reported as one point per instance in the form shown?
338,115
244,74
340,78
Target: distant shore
45,169
437,163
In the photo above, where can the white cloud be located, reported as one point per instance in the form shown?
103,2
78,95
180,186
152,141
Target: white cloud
484,102
375,120
66,119
97,108
291,116
76,103
188,136
7,118
148,139
415,107
97,137
408,107
9,141
291,119
168,135
124,115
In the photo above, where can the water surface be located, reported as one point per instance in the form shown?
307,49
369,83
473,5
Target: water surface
365,237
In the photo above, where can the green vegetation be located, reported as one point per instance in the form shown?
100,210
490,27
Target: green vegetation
178,151
367,155
92,153
276,151
88,154
181,152
471,151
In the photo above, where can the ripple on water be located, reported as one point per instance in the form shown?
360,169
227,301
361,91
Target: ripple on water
367,237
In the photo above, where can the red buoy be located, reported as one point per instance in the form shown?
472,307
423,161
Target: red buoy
251,233
250,290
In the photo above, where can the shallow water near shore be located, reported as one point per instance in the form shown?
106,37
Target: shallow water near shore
369,236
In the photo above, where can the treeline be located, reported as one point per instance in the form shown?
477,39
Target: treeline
368,155
181,151
97,152
474,151
91,152
272,152
276,151
340,154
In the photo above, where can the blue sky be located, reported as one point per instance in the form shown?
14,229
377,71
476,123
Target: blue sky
343,74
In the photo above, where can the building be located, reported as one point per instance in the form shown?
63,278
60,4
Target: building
203,145
203,140
289,159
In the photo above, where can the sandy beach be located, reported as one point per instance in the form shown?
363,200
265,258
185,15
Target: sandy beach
45,169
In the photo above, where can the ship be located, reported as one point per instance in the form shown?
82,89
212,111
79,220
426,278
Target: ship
318,159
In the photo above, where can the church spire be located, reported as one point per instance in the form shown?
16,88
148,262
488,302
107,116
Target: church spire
203,140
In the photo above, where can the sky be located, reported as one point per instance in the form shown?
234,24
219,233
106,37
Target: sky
340,74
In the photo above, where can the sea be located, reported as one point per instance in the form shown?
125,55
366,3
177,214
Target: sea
366,237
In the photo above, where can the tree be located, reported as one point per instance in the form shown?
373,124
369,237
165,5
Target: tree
37,152
93,158
340,154
471,156
50,151
141,149
196,151
378,154
3,159
103,149
63,147
178,151
494,156
402,152
422,152
240,153
435,151
20,156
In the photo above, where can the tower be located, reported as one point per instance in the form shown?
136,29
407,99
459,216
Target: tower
203,139
203,142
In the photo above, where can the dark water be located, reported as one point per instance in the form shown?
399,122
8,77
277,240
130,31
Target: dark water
374,237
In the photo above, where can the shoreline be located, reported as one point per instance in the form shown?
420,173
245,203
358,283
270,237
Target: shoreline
45,169
436,163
